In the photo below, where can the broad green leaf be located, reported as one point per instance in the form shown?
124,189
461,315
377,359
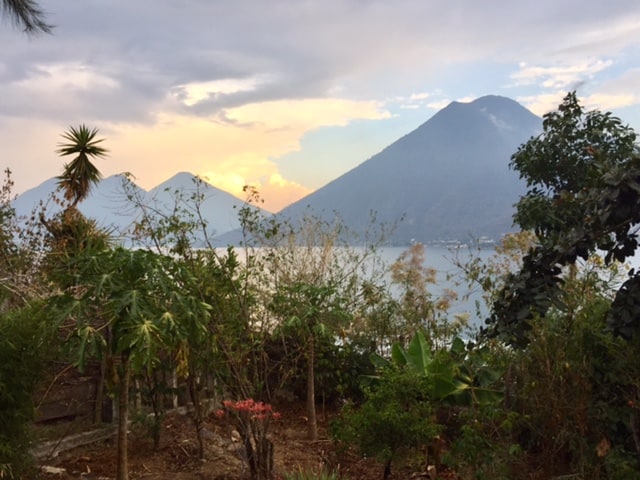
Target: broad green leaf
418,354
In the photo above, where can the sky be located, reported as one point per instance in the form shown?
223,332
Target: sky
287,95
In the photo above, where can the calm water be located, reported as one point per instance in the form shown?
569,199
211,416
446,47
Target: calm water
449,276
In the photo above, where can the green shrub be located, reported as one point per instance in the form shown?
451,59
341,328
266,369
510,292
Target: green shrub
24,348
397,418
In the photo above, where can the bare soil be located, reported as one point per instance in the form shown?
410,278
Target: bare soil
177,456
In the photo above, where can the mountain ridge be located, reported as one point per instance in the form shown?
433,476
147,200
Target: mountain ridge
448,179
109,204
462,151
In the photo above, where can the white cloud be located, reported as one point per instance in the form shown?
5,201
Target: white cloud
306,114
440,104
221,86
565,76
194,92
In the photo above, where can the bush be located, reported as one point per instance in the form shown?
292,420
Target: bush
396,419
568,400
24,348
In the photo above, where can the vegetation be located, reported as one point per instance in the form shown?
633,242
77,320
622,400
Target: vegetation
26,14
548,389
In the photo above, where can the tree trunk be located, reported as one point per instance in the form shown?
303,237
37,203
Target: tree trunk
122,471
387,470
99,398
311,390
635,430
197,415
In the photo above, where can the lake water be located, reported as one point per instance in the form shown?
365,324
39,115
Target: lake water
441,259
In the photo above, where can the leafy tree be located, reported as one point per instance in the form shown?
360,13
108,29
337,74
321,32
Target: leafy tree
313,309
224,346
419,309
143,298
396,419
70,231
26,14
27,343
317,283
583,177
583,201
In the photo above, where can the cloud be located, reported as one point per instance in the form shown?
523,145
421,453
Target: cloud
440,104
617,92
566,76
279,192
306,114
195,92
610,101
230,87
231,154
543,103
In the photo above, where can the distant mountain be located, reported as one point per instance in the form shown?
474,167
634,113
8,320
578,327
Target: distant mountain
107,202
109,205
447,180
219,208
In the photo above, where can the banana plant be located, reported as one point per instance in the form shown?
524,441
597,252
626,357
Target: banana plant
455,375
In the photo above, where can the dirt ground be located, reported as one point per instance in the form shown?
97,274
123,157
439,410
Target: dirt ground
177,458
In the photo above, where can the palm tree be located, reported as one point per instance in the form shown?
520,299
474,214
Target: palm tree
27,14
80,174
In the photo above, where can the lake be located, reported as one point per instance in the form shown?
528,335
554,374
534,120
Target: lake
441,258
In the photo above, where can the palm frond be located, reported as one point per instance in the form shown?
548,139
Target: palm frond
79,175
27,14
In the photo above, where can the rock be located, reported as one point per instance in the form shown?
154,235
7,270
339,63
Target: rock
49,470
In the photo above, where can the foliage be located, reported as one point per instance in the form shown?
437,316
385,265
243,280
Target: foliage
417,307
396,419
314,282
453,375
565,408
26,344
26,14
490,276
568,396
80,174
583,174
411,390
252,420
128,306
20,276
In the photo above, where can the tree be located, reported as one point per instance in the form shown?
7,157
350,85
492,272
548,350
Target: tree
142,299
316,283
80,174
26,14
26,346
418,307
583,178
69,231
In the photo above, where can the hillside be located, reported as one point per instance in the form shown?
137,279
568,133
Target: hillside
447,180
